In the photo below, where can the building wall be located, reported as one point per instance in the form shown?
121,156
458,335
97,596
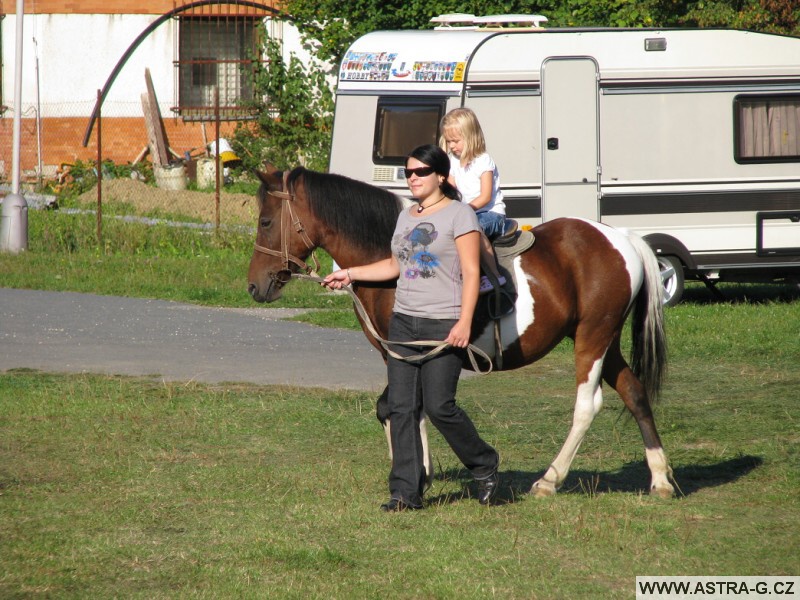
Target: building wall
69,51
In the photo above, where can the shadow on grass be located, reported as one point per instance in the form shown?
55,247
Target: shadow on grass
633,477
741,293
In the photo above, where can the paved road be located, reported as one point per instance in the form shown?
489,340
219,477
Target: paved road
69,332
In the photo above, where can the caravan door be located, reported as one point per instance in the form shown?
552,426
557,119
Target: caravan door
570,138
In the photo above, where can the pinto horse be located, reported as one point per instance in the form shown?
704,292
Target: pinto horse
580,279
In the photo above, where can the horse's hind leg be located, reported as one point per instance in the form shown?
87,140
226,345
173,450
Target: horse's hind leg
618,375
588,402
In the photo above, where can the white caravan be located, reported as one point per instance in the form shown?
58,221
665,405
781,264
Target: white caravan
691,138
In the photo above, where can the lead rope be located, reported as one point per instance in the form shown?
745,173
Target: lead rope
438,346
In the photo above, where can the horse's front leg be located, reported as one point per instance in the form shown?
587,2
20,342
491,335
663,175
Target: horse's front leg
382,412
587,404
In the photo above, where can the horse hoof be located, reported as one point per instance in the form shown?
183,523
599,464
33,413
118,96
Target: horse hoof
542,490
662,492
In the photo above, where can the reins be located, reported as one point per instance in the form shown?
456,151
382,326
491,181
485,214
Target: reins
290,219
437,346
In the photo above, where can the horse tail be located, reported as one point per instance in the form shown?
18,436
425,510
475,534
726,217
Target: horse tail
649,347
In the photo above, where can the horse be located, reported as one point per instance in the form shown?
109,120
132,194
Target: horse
580,280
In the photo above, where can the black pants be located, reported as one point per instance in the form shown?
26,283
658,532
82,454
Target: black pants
437,381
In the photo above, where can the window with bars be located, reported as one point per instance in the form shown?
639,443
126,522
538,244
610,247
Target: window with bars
216,52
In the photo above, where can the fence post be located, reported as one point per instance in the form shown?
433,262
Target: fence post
217,158
99,171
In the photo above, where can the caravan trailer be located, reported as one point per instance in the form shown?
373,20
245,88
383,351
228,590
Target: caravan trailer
690,138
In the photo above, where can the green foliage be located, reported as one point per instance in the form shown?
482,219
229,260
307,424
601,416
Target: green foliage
294,108
330,26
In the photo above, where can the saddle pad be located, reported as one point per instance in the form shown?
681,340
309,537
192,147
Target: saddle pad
506,254
524,240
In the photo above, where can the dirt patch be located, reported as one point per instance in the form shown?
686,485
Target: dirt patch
148,200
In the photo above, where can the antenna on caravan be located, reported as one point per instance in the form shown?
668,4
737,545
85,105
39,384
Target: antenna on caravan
469,21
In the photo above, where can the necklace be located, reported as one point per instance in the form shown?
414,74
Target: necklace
420,208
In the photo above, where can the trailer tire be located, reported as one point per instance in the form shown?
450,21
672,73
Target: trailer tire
672,278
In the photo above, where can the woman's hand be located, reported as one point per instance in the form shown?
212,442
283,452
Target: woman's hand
337,280
459,334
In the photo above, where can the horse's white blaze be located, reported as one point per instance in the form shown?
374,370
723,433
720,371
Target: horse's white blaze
620,241
588,402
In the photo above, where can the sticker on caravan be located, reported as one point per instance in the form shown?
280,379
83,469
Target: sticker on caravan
367,66
439,71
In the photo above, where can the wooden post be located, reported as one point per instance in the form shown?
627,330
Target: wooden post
155,128
99,172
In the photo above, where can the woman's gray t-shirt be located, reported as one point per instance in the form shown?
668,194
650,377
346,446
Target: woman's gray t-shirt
430,270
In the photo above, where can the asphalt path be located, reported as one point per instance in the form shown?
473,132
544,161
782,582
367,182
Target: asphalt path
66,332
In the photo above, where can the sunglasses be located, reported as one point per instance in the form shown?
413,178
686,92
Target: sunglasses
419,172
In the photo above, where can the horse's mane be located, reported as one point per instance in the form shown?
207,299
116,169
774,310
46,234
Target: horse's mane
362,213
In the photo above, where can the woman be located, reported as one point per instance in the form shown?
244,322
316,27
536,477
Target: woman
435,259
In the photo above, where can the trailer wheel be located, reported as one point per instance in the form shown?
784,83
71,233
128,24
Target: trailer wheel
672,278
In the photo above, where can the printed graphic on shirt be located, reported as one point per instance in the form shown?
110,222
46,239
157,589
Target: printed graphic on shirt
414,255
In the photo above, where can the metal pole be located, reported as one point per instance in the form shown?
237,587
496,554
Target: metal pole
39,175
99,174
17,99
217,157
14,220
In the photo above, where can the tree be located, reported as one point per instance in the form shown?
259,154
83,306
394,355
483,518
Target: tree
294,108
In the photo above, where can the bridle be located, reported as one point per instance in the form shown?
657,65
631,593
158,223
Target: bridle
289,221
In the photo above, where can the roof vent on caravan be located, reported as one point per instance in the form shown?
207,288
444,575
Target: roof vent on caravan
469,21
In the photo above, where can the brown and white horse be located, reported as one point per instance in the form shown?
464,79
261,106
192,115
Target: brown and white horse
580,280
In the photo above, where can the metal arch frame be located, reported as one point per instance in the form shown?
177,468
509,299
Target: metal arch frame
147,31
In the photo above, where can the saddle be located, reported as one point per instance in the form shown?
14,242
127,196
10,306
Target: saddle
513,242
501,300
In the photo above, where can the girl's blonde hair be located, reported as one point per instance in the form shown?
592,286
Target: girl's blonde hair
466,123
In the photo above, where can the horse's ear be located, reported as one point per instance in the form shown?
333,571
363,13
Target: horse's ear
270,177
269,168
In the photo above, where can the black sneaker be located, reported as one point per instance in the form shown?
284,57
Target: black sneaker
487,488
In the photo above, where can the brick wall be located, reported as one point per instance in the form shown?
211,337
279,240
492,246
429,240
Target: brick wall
123,140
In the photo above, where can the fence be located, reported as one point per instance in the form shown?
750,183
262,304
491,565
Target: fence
51,146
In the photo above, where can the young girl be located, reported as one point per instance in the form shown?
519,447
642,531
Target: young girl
475,175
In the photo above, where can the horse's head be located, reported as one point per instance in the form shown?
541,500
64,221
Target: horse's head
282,244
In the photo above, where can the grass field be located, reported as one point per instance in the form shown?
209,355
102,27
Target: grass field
117,487
132,488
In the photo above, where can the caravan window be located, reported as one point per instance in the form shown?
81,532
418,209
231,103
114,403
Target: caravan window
402,124
767,128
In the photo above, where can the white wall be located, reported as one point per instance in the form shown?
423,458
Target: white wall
77,53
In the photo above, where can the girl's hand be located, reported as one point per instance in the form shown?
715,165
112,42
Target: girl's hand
459,335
